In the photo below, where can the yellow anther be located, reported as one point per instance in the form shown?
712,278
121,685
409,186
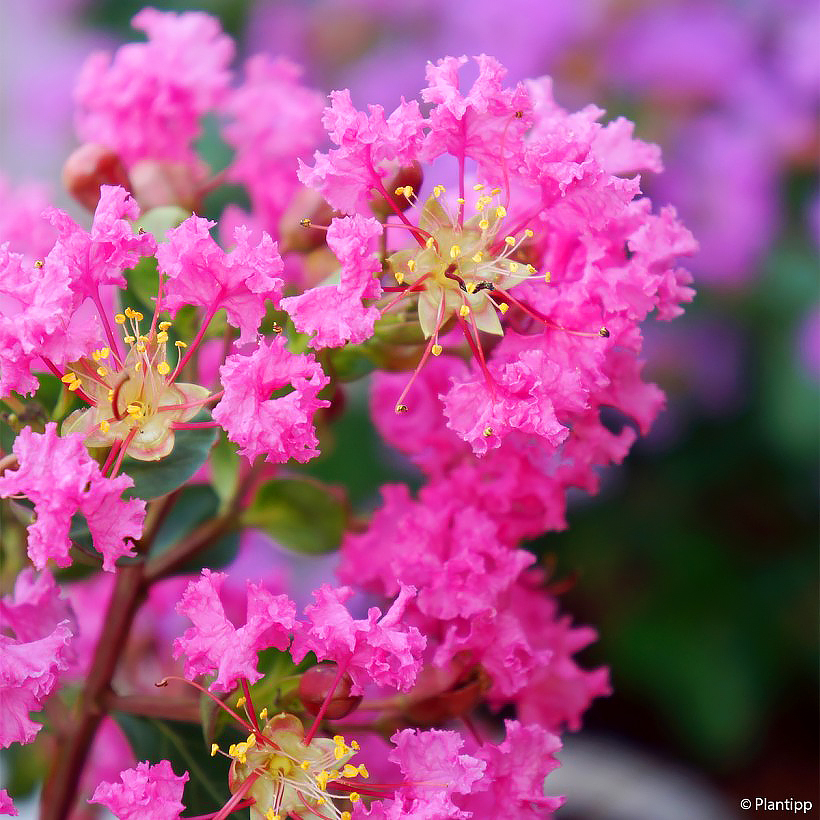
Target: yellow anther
488,431
96,355
345,815
429,243
74,386
320,801
130,312
129,339
68,378
495,191
455,251
436,350
250,740
162,337
500,211
269,815
484,224
460,200
529,234
350,770
102,372
354,797
399,277
411,265
39,263
138,316
304,765
240,702
399,191
180,344
354,744
104,426
163,368
464,311
531,269
322,778
513,267
305,222
339,740
119,319
263,715
363,771
110,395
471,287
478,256
509,240
141,347
339,752
478,187
438,191
138,366
214,749
503,307
134,410
164,325
408,191
401,408
547,277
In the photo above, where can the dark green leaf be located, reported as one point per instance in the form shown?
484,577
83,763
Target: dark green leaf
299,514
154,479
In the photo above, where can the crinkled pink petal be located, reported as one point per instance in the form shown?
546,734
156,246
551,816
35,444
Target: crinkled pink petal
335,313
368,144
36,606
147,102
6,805
58,493
145,792
377,650
213,644
514,775
200,273
20,222
28,674
281,428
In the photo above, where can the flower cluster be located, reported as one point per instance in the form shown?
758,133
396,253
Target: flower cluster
489,255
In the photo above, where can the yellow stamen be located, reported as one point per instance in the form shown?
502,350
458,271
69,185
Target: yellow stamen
104,426
478,187
455,251
163,368
162,337
214,749
164,325
464,311
436,350
510,240
500,211
438,191
399,277
503,307
180,344
119,319
68,378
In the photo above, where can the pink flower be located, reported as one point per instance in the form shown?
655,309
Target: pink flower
513,783
20,222
60,478
378,649
6,804
267,147
36,607
148,101
200,273
28,674
282,427
144,793
214,644
334,313
368,145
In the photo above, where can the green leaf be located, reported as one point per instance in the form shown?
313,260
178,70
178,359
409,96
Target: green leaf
158,221
349,364
154,479
183,745
298,513
225,469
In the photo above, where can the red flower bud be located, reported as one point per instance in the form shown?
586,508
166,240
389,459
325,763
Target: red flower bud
314,686
90,166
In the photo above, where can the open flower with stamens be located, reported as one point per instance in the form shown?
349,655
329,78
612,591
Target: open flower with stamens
537,264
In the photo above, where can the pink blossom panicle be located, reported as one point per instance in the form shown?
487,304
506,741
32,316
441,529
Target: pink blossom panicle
147,102
146,792
213,644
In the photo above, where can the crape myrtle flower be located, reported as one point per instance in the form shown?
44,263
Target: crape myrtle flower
542,262
146,792
57,474
31,661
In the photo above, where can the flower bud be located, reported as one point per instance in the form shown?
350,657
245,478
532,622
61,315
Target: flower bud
402,187
460,698
155,183
90,166
314,686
